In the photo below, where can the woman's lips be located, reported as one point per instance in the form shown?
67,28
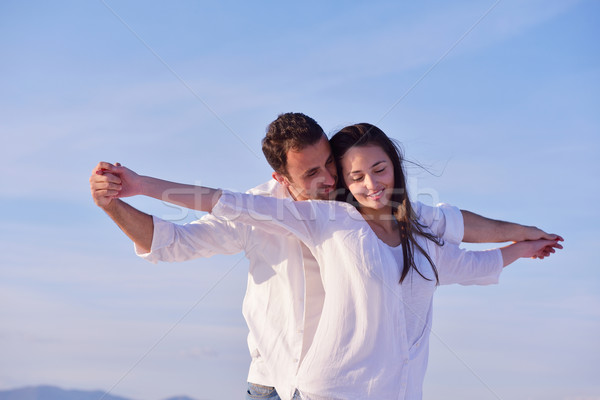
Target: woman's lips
376,195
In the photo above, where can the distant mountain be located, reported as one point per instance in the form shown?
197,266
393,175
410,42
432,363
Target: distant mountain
55,393
180,398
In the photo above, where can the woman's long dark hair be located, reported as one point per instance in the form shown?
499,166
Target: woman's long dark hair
364,134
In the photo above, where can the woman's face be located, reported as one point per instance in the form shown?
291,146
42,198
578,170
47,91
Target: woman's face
369,175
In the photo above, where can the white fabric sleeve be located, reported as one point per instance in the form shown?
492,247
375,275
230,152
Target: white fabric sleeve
444,221
303,219
456,265
202,238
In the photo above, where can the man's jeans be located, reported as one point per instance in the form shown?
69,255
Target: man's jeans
265,393
261,392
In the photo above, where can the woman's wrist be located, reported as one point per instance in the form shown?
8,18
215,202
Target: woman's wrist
511,253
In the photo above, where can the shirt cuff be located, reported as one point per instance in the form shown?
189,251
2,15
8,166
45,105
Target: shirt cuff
455,224
495,275
162,236
496,266
488,267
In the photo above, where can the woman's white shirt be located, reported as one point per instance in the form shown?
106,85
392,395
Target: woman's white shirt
284,294
372,339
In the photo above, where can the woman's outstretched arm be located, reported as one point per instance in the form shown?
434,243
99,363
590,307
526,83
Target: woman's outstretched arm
529,249
199,198
483,267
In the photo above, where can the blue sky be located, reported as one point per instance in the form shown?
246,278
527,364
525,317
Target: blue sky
499,99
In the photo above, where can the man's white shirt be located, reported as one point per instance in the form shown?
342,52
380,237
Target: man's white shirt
285,295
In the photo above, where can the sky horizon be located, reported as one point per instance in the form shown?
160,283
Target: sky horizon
498,100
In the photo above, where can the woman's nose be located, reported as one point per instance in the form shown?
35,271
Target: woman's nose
370,182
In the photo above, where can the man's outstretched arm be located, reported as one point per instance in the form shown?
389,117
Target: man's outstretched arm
111,182
138,226
479,229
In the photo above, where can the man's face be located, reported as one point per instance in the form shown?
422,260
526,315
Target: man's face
311,172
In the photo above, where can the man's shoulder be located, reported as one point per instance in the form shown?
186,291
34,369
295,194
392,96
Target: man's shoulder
271,188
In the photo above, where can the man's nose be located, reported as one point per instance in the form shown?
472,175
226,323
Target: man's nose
328,178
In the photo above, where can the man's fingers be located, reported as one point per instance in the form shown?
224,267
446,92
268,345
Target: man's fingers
548,236
107,193
112,178
110,186
106,184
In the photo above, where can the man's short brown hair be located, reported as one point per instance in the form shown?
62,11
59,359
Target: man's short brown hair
290,131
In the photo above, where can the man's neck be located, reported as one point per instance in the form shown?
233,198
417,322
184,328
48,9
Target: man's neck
291,193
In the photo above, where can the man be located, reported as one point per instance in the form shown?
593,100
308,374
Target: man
284,295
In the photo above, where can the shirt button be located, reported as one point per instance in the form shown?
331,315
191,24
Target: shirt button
405,362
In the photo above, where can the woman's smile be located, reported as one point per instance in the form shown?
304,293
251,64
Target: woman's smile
369,175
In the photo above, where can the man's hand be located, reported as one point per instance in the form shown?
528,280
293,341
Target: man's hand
534,233
479,229
104,186
112,181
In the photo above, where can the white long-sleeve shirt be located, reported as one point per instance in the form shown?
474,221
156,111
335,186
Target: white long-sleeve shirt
284,295
372,339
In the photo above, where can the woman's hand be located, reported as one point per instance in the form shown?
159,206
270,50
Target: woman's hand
529,249
539,248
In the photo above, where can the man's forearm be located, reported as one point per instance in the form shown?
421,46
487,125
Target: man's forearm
479,229
138,226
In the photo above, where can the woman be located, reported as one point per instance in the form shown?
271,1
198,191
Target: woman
379,267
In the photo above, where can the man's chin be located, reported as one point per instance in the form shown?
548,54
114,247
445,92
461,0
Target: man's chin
326,195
